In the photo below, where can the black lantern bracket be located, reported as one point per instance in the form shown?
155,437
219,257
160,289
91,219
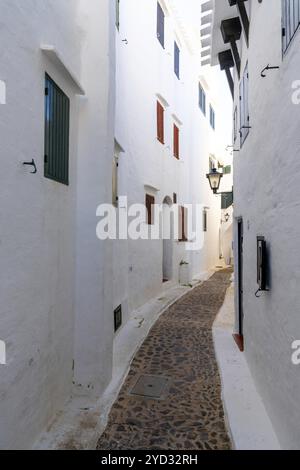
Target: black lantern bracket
268,67
32,163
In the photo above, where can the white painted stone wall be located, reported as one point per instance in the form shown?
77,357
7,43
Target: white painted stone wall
267,196
145,71
38,241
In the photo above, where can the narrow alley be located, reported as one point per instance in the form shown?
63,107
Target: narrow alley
172,396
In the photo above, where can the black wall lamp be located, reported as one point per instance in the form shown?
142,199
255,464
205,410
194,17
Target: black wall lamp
214,178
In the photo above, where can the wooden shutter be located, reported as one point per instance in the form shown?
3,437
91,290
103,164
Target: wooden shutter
176,142
150,201
160,123
57,124
160,25
177,60
183,214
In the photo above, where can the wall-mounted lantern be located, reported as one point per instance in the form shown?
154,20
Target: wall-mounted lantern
214,178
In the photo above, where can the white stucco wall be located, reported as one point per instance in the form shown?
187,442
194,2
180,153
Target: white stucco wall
267,197
144,71
38,216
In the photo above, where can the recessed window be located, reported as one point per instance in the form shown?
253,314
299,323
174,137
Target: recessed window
118,318
160,123
57,128
202,100
290,21
205,220
177,60
150,203
212,117
160,25
118,14
244,107
183,224
176,142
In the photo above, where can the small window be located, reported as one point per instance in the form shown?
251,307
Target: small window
57,124
118,14
290,21
160,25
160,123
235,124
150,203
205,220
118,318
202,100
226,200
212,117
176,142
174,198
244,107
177,60
183,218
227,170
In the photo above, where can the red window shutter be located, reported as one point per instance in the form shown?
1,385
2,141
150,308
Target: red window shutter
183,214
160,123
176,142
150,201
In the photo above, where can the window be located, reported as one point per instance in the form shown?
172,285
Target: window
235,124
160,123
176,142
183,215
212,117
205,220
202,100
290,21
57,124
150,202
160,25
244,107
118,14
177,60
227,200
174,198
227,170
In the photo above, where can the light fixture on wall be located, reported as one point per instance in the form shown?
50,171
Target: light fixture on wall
214,178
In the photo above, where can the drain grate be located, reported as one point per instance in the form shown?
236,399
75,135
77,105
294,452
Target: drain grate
151,386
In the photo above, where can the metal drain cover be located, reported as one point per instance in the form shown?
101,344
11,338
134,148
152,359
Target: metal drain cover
151,386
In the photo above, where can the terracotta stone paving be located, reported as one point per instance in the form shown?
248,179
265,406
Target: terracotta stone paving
189,416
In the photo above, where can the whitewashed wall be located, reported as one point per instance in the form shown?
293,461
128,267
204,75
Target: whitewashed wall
38,216
144,71
267,196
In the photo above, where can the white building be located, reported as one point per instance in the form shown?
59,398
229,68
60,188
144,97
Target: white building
60,140
55,275
262,42
168,136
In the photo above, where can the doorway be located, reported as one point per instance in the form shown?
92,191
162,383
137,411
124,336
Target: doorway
167,261
239,338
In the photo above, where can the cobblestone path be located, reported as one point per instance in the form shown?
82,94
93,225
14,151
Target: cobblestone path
179,348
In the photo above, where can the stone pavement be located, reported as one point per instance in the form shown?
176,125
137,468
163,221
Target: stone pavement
183,409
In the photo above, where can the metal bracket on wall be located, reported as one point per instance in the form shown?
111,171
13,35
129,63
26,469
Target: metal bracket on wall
268,67
32,163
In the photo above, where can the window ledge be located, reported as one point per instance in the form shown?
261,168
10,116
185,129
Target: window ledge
53,55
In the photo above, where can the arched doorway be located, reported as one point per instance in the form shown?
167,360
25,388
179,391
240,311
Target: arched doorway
168,231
